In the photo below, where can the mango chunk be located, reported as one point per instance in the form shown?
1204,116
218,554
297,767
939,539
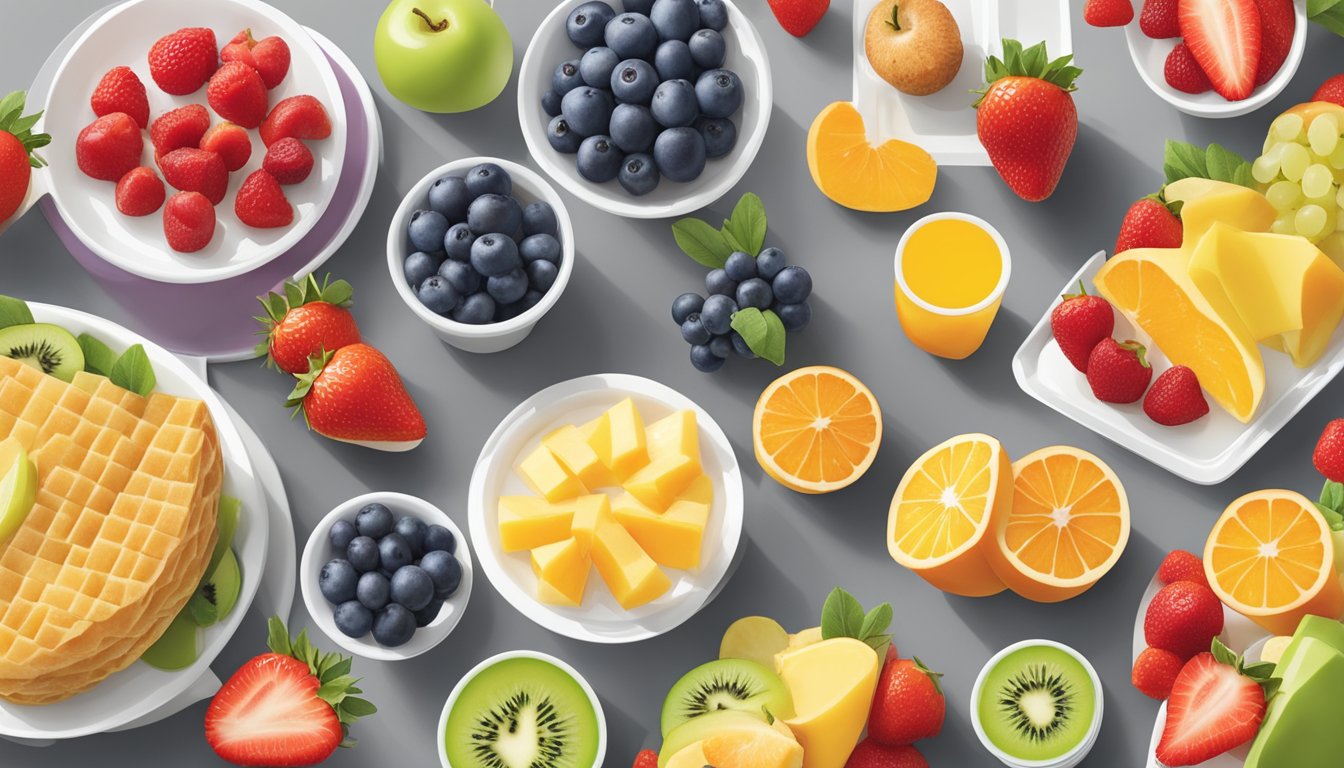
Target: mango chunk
625,443
832,683
660,482
527,522
672,539
676,434
632,576
577,456
589,513
701,490
562,572
545,475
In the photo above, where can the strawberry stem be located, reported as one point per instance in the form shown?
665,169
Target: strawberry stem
894,22
434,26
934,677
1139,351
1080,294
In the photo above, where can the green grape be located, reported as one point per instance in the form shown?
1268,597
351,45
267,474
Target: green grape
1339,198
1310,221
1283,195
1285,223
1323,135
1287,127
1317,180
1266,167
1295,160
1337,157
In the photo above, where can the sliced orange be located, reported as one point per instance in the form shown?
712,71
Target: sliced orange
892,176
1068,524
941,516
1270,558
816,429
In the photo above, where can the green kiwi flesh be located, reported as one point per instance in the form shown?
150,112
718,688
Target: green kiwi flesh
48,348
178,647
1037,703
737,684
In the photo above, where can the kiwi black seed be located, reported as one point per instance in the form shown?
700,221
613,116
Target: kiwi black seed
1031,693
49,348
496,724
735,684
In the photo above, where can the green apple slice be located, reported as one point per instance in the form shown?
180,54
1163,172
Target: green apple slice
18,487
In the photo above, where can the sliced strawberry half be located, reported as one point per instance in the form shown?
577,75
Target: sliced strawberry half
1225,38
1217,704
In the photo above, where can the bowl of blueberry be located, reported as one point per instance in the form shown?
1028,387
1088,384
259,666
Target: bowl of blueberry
386,576
645,108
480,249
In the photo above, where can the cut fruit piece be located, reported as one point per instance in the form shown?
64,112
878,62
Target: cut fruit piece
218,593
1067,526
1299,729
676,434
1225,38
1270,557
48,348
892,176
685,743
526,522
623,445
662,480
758,749
673,538
562,572
816,429
545,475
700,491
1205,202
1037,704
589,512
941,521
18,487
832,684
230,509
574,452
751,690
754,638
632,576
1274,647
177,648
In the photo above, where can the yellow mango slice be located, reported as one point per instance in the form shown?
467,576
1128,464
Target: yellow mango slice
527,522
545,475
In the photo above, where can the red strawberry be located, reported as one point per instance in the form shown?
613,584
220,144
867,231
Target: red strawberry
288,160
1329,454
236,93
1118,373
1216,704
302,117
798,17
1278,25
188,222
1175,398
1184,73
874,754
261,203
1183,618
1108,13
1150,223
177,128
909,703
1160,19
1079,323
291,707
230,142
1028,124
140,192
17,158
306,320
121,91
269,55
1332,90
1180,565
355,395
196,170
109,147
1225,38
646,759
1155,672
182,61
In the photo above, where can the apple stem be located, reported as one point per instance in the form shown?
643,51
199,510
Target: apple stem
437,26
895,22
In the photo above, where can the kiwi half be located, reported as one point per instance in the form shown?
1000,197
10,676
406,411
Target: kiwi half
522,713
1037,703
49,348
738,684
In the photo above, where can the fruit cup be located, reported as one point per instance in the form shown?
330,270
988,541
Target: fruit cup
951,272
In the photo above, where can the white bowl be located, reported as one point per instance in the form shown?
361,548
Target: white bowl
476,670
318,551
600,619
528,188
1150,57
746,56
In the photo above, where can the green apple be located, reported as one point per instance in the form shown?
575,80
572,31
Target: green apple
18,487
443,55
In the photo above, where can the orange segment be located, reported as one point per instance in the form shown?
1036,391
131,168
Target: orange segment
893,176
1068,524
1270,558
817,429
943,510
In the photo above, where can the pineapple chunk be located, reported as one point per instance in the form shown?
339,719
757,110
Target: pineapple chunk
672,539
632,576
574,452
562,572
662,481
545,475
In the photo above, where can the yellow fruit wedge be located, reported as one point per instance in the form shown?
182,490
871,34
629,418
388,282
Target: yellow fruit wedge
1205,202
589,512
546,476
754,638
577,456
674,435
672,538
562,572
18,487
632,576
527,522
832,683
848,169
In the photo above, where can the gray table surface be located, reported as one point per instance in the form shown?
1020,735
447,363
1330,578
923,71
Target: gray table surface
614,317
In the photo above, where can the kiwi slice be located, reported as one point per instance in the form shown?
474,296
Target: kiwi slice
522,713
1037,703
739,684
178,647
46,347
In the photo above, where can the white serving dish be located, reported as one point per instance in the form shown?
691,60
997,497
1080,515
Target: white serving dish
600,619
943,123
1150,58
1207,451
746,56
136,244
528,188
140,689
318,551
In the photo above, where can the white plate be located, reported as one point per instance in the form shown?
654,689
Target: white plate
141,689
1150,58
600,619
943,123
1207,451
746,56
136,244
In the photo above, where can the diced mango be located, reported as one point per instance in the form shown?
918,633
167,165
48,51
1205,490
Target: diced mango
1205,202
527,522
672,539
627,447
832,684
632,576
674,435
574,452
544,473
700,490
662,481
589,513
562,572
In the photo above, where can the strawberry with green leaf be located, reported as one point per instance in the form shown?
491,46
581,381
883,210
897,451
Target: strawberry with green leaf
17,155
307,319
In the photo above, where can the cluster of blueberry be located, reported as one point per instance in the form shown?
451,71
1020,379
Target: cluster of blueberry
393,576
650,98
480,256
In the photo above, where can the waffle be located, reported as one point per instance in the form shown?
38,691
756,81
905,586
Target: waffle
120,534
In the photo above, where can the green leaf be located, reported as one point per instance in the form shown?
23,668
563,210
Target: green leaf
12,102
1226,165
1223,654
703,243
763,332
98,357
841,615
1261,670
202,607
1332,495
748,223
1317,7
14,312
876,622
356,707
277,637
133,371
1333,519
730,238
339,293
1182,160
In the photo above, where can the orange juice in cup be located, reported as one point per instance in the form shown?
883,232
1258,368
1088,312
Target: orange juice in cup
951,271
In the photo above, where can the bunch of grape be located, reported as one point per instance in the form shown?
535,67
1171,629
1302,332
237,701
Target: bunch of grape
1300,173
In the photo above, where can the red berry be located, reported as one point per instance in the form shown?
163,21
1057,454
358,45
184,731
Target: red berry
1176,398
1108,13
230,142
1180,565
139,192
121,91
1278,26
1183,618
1149,223
188,222
1329,454
871,753
196,170
1332,90
182,61
109,147
1079,323
1184,73
1155,672
646,759
262,203
269,56
288,160
177,128
302,117
1160,19
908,704
1118,373
236,93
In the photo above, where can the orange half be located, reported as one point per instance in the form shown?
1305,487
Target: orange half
817,429
891,176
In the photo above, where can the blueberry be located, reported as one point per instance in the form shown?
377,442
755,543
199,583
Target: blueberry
719,133
508,287
693,331
673,61
426,616
587,110
507,311
566,77
718,282
540,248
680,154
539,219
393,552
596,66
438,295
460,274
638,6
795,317
421,265
633,128
363,554
495,254
740,266
633,81
586,23
562,139
449,196
713,14
374,520
412,587
412,529
599,159
445,571
476,309
493,212
639,174
707,49
457,242
541,275
740,347
719,93
488,179
373,591
685,305
353,619
440,539
674,104
342,533
426,230
718,314
529,300
393,626
721,346
675,19
769,263
550,103
337,581
704,359
792,285
632,36
754,293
